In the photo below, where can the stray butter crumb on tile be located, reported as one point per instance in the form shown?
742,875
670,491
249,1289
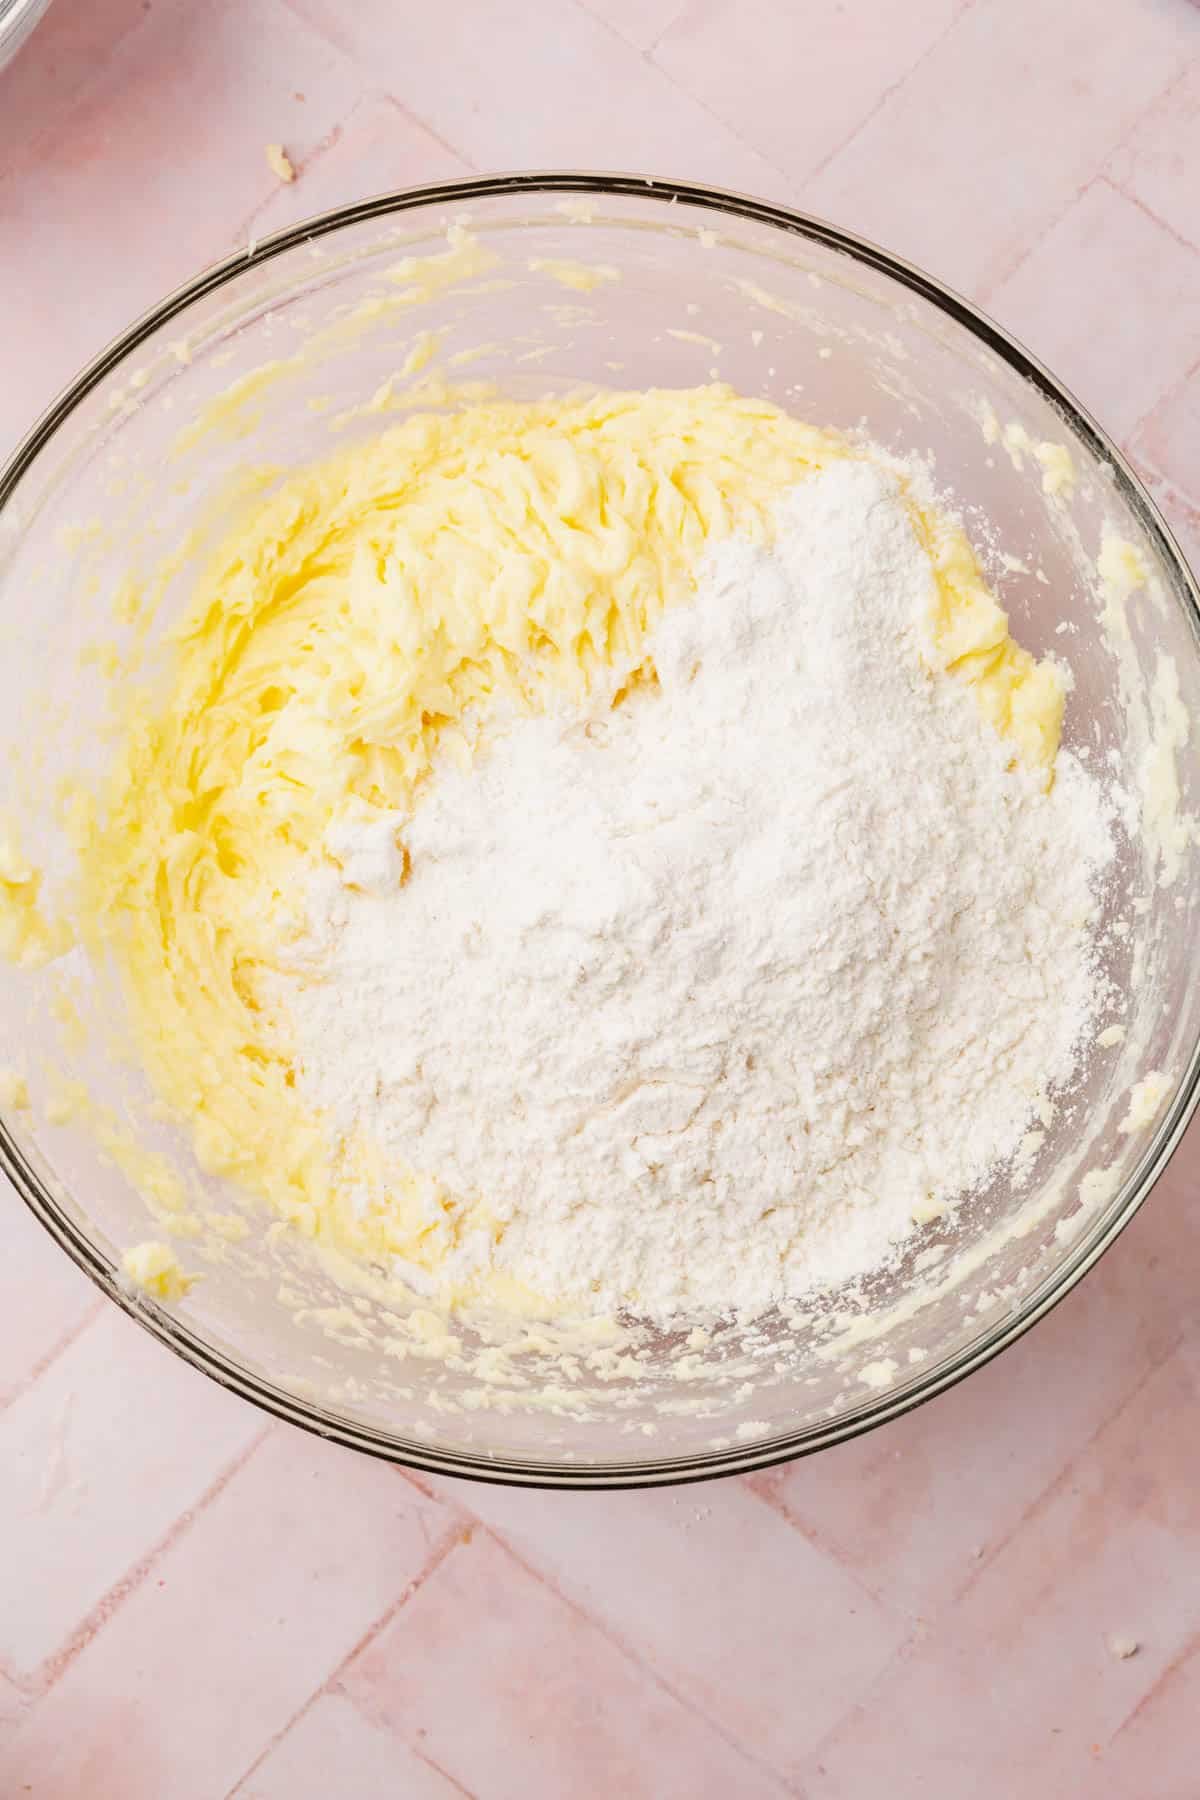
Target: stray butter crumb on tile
280,163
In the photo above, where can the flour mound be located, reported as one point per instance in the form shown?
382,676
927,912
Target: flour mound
705,998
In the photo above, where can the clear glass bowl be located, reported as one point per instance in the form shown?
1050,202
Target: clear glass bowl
783,306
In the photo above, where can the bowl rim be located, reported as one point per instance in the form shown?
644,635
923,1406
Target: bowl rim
173,1330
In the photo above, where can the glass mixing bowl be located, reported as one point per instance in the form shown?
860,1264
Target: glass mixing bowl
289,340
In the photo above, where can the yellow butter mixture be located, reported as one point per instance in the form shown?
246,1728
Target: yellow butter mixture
360,624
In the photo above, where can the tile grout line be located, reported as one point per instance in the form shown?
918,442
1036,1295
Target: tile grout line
542,1577
296,8
443,142
1147,212
646,50
96,1308
1100,178
664,34
1180,1660
330,141
656,1675
1169,394
1052,1489
893,87
981,295
1182,74
445,1545
300,11
646,56
1189,374
1012,265
451,1780
631,1655
1166,491
777,1504
1099,175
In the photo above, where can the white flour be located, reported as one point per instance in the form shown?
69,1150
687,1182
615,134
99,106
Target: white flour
707,998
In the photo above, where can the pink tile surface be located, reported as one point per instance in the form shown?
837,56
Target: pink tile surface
1157,162
94,1477
559,68
1006,120
921,1507
1159,1734
1024,1679
1109,298
12,1705
534,1696
250,1606
823,78
705,1636
196,1603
